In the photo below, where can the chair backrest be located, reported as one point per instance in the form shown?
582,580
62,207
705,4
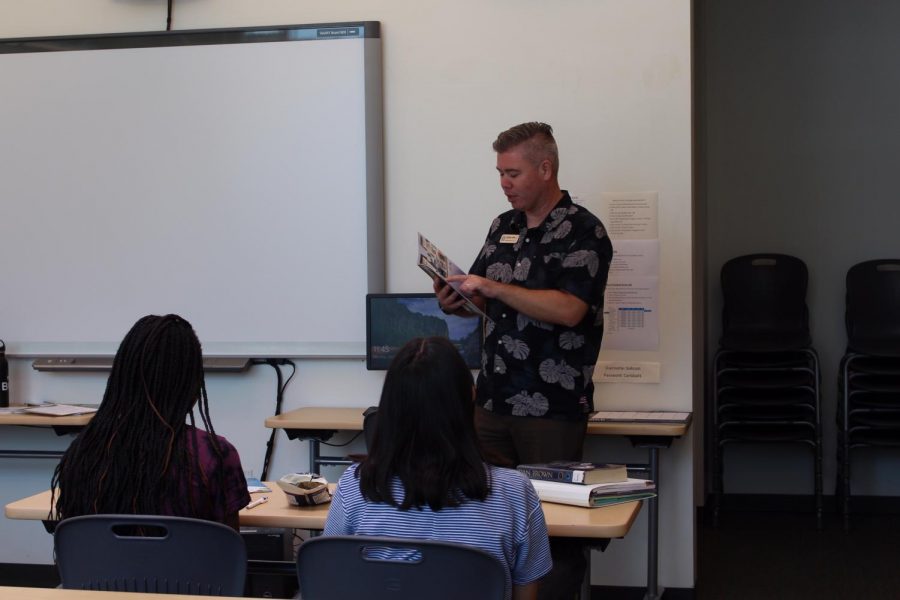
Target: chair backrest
873,307
764,303
376,568
370,415
145,553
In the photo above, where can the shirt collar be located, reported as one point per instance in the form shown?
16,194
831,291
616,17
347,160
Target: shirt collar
519,220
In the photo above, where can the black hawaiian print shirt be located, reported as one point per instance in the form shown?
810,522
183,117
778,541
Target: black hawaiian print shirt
531,368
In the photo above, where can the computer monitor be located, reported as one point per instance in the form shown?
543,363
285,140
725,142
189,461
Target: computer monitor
394,319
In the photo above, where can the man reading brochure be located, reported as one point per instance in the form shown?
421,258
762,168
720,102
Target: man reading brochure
540,277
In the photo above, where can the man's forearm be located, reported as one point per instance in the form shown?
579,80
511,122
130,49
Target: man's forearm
551,306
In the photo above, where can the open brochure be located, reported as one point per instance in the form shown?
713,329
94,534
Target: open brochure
436,264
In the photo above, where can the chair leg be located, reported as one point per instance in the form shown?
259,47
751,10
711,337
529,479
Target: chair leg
818,476
717,480
845,443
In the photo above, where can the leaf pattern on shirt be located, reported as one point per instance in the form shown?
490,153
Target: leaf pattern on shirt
520,273
557,233
600,231
583,258
519,241
598,318
489,405
558,214
499,365
488,249
588,373
553,256
500,272
569,340
516,348
523,321
561,373
484,359
489,328
525,405
494,225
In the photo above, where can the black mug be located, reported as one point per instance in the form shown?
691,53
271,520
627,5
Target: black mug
4,376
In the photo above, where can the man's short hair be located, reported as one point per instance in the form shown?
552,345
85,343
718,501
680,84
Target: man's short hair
537,141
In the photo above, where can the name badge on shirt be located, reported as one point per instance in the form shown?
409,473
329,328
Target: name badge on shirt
509,238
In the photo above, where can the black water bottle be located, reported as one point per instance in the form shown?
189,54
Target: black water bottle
4,376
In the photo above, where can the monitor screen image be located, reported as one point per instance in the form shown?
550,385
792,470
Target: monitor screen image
394,319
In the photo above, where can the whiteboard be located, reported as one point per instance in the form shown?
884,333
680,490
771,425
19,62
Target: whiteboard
234,177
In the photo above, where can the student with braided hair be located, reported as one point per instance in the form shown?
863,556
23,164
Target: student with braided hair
142,453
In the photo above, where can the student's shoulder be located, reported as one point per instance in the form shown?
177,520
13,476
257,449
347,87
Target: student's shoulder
508,479
206,438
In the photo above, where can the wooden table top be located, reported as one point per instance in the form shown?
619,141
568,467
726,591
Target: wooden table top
26,593
44,420
562,520
351,419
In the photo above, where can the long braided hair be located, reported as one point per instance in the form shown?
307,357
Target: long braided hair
135,456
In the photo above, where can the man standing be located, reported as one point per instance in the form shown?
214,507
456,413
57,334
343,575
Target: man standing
540,277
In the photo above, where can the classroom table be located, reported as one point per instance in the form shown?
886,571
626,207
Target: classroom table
562,520
593,526
318,424
28,593
61,425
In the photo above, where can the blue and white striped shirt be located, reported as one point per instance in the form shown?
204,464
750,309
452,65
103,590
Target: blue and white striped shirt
508,524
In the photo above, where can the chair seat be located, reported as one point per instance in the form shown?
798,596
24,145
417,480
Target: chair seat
874,420
877,347
765,378
784,431
869,399
875,383
861,437
765,359
876,365
763,397
750,414
765,342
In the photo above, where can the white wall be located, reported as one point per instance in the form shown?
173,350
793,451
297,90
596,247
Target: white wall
802,145
611,76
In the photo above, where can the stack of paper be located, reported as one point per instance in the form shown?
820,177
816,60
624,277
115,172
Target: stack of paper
60,410
601,494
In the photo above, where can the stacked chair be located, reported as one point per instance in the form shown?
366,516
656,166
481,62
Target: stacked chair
765,372
869,381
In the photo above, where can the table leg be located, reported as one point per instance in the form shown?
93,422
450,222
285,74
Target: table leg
585,592
654,592
313,455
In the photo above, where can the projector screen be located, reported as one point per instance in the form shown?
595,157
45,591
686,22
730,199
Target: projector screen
231,176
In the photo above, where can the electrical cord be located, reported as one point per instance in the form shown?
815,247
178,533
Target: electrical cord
275,363
347,443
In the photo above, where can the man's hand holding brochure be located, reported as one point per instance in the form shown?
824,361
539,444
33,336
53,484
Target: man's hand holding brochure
436,264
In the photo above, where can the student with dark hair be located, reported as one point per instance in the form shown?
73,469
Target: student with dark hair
139,454
425,478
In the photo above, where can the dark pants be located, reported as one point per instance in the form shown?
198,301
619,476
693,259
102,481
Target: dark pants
525,440
509,441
